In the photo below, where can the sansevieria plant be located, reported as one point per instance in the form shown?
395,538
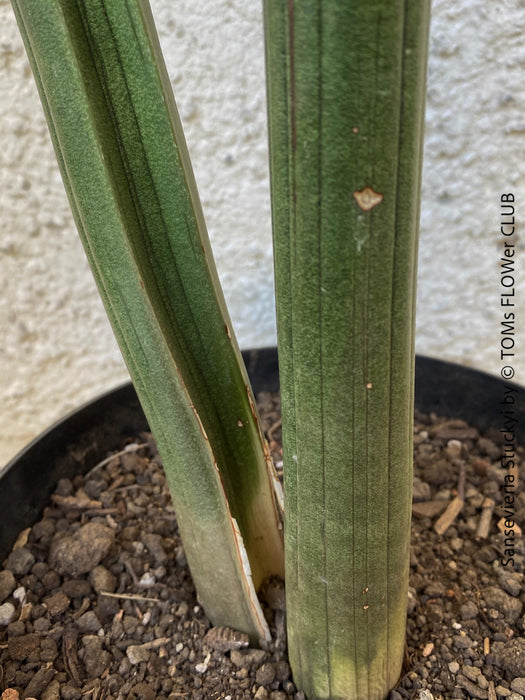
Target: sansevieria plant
346,83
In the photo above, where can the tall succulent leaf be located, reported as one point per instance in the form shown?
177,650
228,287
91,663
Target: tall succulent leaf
346,82
126,169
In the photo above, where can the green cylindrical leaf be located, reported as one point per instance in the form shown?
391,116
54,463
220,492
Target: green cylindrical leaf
120,146
346,83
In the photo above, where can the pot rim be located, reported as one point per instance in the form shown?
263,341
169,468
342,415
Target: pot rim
441,387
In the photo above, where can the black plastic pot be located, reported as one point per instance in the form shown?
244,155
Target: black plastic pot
82,439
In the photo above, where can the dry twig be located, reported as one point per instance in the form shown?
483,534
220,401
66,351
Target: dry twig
131,596
453,510
485,518
133,447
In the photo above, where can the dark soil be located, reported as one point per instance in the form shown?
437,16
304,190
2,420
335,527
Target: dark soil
96,600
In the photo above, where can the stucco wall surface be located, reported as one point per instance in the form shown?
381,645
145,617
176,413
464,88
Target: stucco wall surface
56,347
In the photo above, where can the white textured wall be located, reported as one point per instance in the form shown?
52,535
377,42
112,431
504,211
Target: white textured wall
56,348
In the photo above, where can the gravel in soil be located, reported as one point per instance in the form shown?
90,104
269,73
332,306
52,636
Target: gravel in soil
96,600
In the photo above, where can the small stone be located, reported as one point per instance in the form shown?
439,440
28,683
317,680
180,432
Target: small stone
143,691
277,695
130,624
261,694
412,600
102,580
289,687
39,682
244,658
21,647
96,659
147,580
183,609
453,449
511,582
57,604
78,553
420,490
51,580
7,584
502,692
64,487
69,692
265,675
106,608
435,614
425,695
471,672
10,694
482,682
504,603
155,547
137,653
515,696
489,447
7,614
456,543
282,671
20,561
510,656
518,685
435,589
19,594
203,667
468,610
462,641
52,692
453,667
41,624
472,689
394,695
88,623
40,569
43,530
274,594
16,629
48,649
180,557
77,588
429,509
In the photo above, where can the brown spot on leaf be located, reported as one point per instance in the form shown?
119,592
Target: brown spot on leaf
367,198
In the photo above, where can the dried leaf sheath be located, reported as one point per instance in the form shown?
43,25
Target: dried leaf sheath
120,147
345,86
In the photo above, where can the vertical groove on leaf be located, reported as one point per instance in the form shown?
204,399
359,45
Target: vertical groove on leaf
319,21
